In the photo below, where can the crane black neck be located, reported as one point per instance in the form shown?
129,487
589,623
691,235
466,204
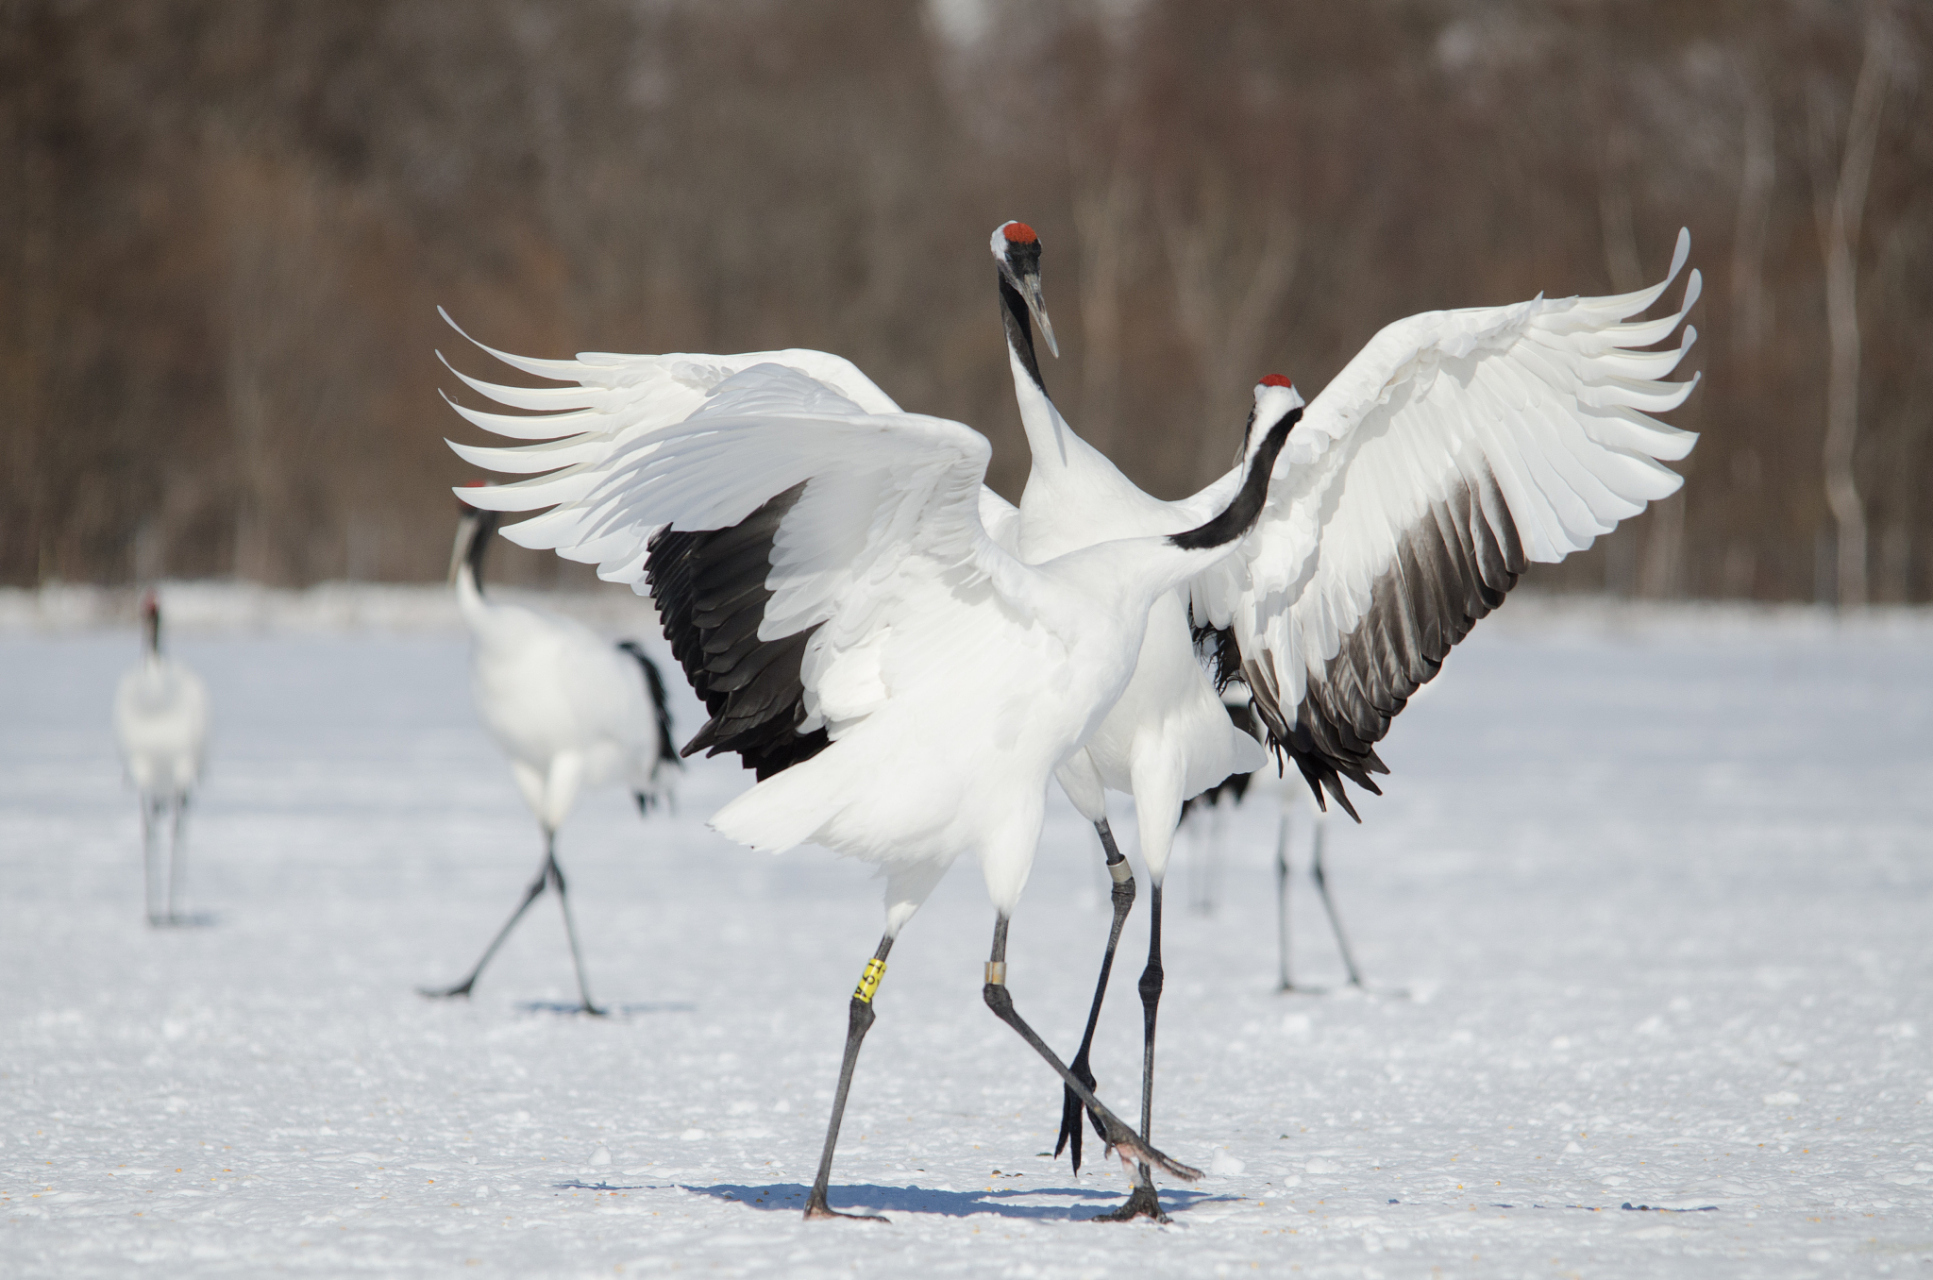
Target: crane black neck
480,539
1020,330
1239,516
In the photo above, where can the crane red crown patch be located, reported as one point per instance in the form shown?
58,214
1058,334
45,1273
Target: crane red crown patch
475,484
1276,380
1020,233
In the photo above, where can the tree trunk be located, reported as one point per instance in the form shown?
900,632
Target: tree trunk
1838,206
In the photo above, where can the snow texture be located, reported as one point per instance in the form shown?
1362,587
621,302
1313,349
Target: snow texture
1659,884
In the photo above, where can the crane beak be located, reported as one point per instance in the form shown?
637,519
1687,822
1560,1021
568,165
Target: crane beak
1030,290
1027,285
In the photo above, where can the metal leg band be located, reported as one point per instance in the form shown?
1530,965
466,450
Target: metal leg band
997,973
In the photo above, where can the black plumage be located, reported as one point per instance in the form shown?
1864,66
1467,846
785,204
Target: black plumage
660,706
711,595
1452,568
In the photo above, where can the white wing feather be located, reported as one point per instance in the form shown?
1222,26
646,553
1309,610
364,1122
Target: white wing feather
616,399
884,498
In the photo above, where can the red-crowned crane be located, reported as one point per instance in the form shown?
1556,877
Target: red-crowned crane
572,711
1456,448
161,722
903,686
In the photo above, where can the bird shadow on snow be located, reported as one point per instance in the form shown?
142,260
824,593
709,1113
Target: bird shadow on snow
620,1011
187,920
790,1196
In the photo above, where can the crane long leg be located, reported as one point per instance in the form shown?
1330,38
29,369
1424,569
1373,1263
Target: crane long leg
859,1021
174,855
1282,900
1143,1202
150,810
1123,895
1328,905
530,895
1115,1131
570,927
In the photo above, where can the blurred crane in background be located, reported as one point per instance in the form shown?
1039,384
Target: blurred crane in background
1212,807
570,709
161,721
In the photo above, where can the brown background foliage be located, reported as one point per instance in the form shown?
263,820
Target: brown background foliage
224,230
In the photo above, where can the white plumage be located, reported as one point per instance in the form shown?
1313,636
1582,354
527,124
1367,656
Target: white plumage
925,633
904,685
1454,449
161,723
572,711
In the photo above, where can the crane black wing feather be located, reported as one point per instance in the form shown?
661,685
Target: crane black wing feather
711,595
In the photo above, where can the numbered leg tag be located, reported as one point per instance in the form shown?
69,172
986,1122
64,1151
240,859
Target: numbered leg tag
997,973
869,980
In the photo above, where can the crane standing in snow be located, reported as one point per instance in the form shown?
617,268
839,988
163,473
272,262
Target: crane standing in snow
570,709
1456,448
1168,737
161,721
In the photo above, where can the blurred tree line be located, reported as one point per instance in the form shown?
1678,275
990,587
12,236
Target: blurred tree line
224,230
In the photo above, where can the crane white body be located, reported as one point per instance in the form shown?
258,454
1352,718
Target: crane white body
567,706
161,724
1167,737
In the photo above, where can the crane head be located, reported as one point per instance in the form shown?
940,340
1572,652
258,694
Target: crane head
1275,398
1016,249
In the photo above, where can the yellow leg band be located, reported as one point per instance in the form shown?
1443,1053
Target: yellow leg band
869,980
997,973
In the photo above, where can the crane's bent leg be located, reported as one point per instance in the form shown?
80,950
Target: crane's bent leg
174,855
1123,896
1282,901
530,895
1328,905
570,926
1143,1202
1114,1130
150,812
858,1022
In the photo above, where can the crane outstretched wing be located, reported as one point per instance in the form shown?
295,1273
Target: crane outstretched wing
782,529
1455,449
616,399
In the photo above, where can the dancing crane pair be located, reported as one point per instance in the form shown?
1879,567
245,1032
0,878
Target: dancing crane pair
905,660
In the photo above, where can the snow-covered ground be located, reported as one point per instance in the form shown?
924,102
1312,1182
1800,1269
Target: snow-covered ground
1660,883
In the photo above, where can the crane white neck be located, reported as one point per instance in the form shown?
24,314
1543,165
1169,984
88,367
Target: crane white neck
1059,456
